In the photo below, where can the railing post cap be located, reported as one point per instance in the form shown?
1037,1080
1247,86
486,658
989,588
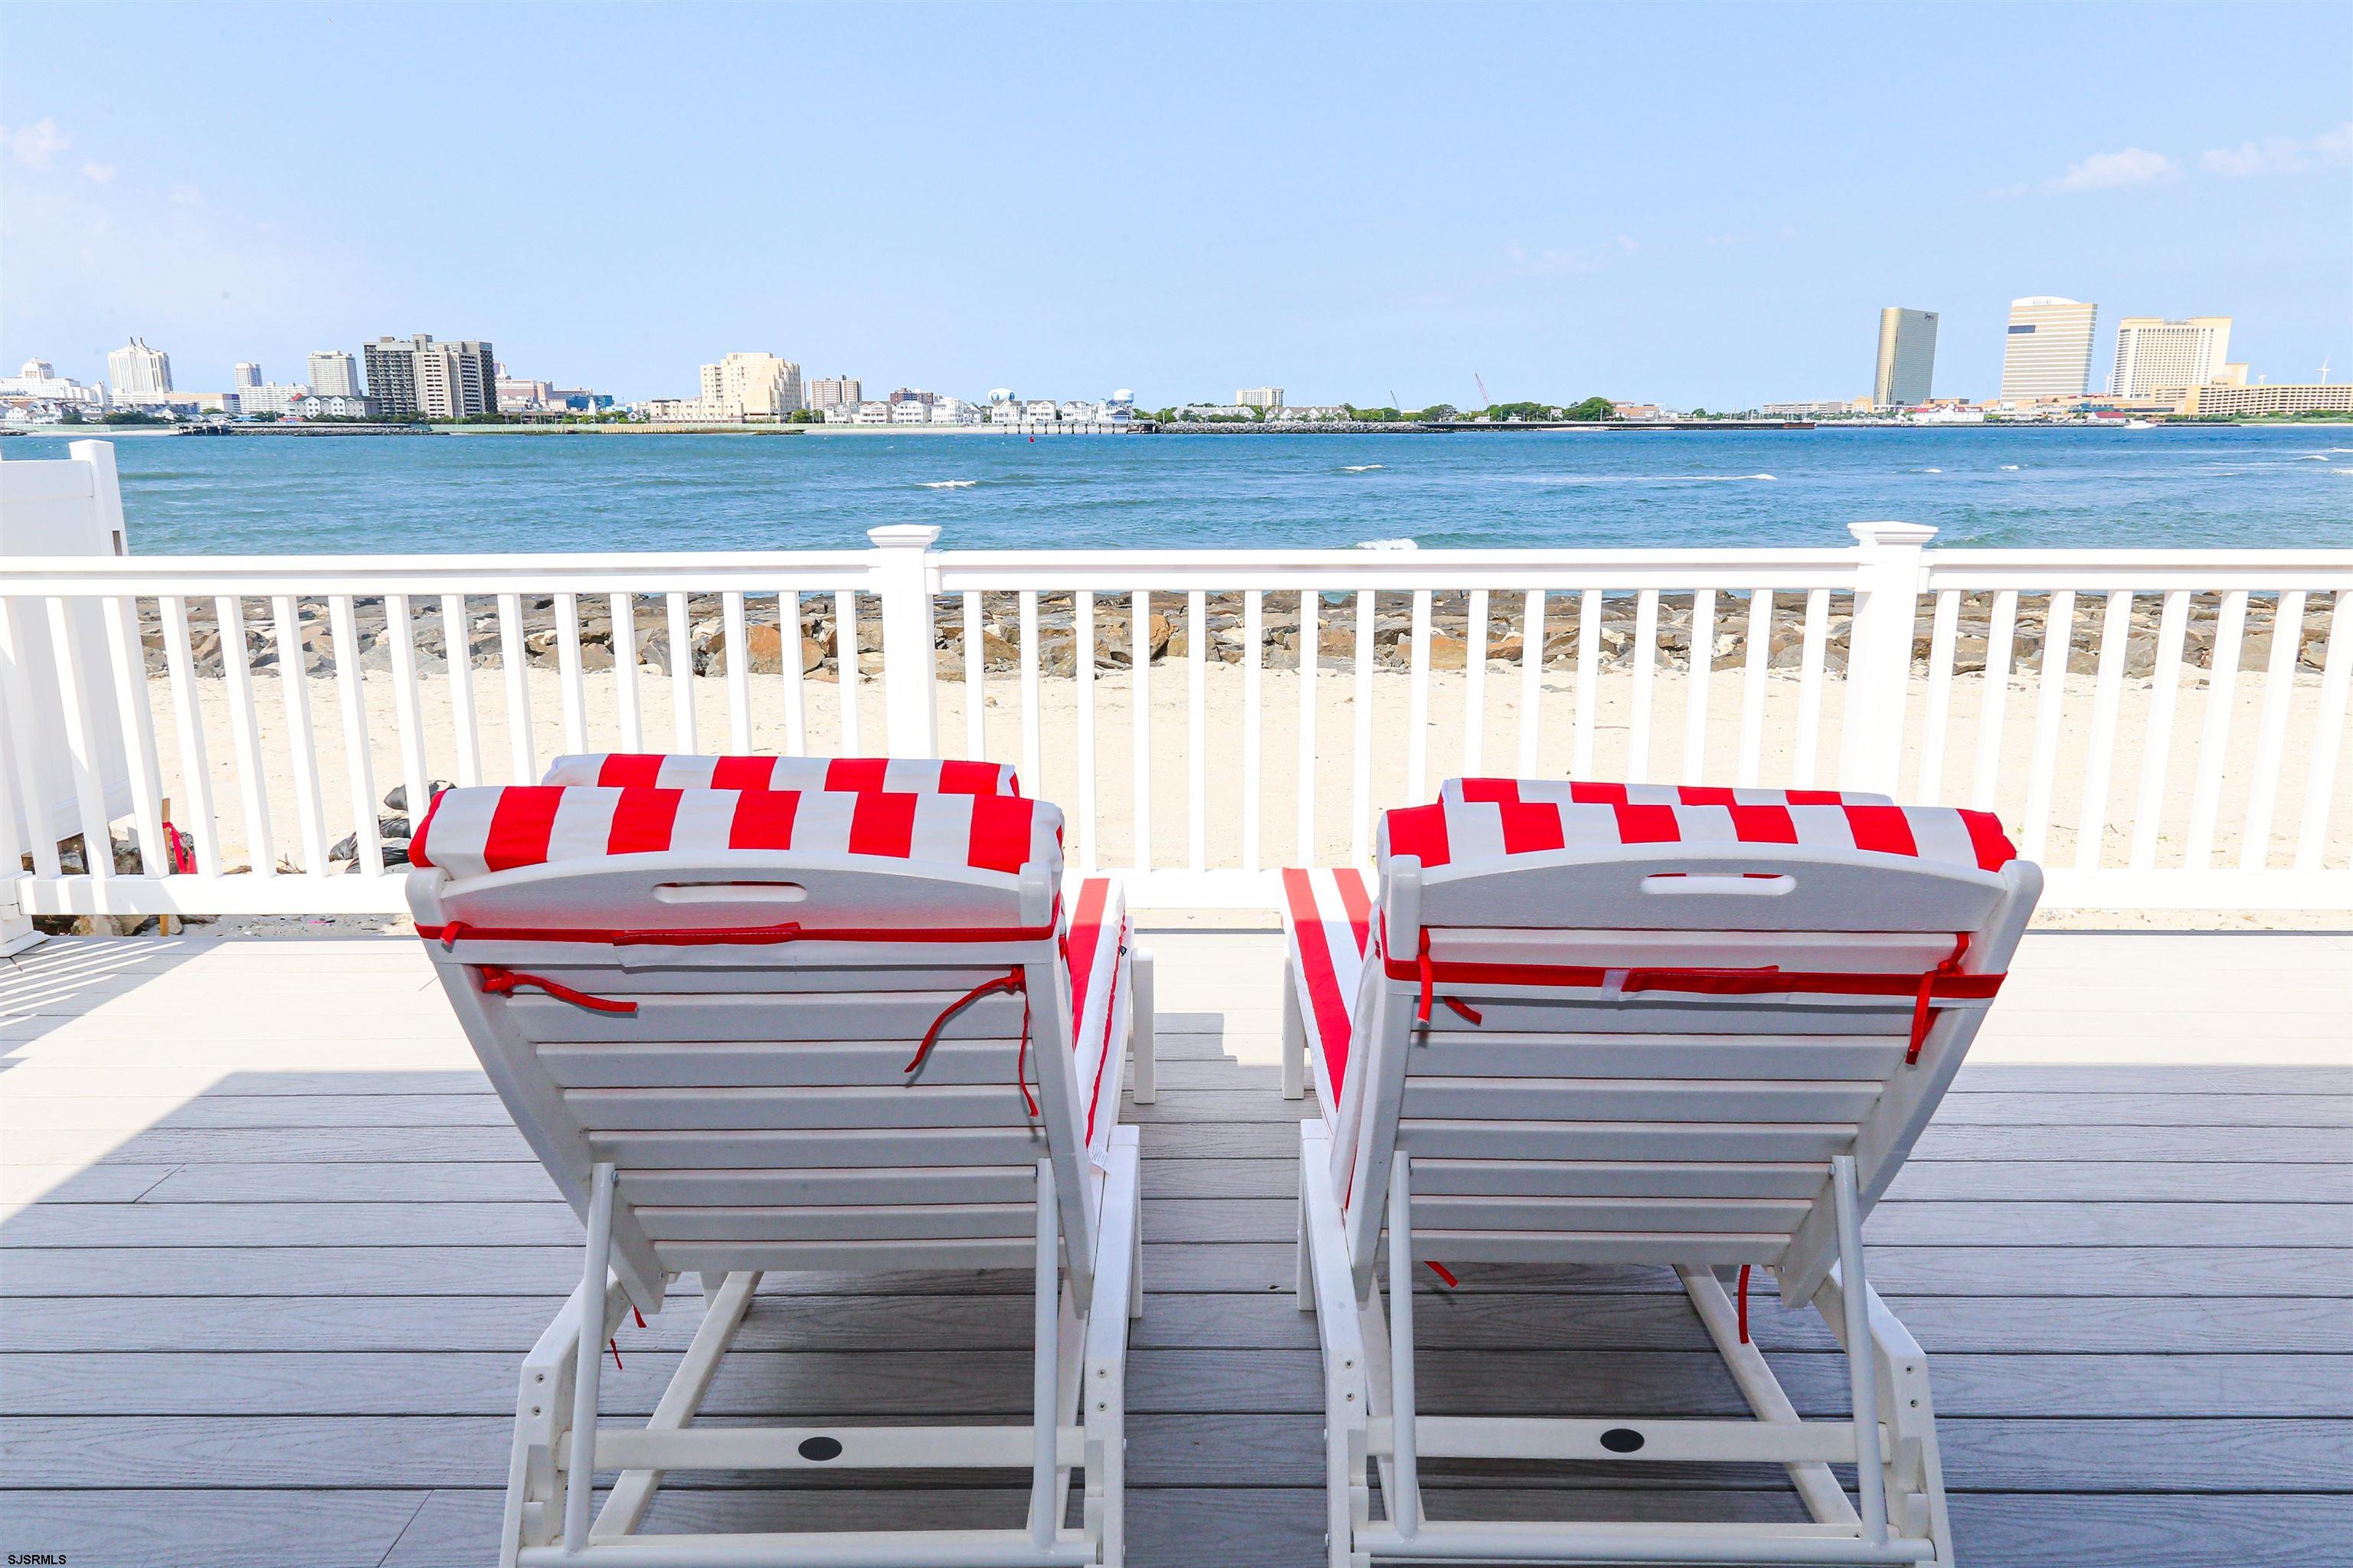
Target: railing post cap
904,535
1890,533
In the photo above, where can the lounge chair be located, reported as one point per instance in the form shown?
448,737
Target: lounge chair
774,1030
1618,1025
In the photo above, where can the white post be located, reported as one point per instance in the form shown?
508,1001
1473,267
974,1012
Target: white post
1405,1509
903,581
106,493
1879,653
1046,1368
1870,1476
580,1477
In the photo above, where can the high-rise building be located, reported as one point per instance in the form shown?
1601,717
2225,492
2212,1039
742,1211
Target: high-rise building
246,374
136,369
828,392
758,386
2049,350
1907,357
1261,397
438,380
2161,359
335,374
914,395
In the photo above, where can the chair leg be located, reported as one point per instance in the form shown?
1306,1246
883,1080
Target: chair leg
580,1483
1871,1475
1294,1037
1142,1037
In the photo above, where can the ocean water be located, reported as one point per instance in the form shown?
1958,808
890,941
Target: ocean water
1991,487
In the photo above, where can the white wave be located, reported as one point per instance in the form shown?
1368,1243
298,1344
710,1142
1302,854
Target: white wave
1358,467
2009,468
1641,478
949,483
1387,544
2317,457
2341,470
1927,471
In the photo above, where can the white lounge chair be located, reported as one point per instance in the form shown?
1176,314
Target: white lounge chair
755,1030
1593,1024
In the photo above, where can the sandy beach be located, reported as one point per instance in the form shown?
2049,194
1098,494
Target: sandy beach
1227,782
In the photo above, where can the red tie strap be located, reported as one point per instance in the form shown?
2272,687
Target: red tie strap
1743,1303
1011,980
1945,982
498,981
1428,971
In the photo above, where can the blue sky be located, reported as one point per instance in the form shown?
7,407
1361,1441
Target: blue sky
1681,203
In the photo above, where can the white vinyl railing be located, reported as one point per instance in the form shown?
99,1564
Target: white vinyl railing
2161,729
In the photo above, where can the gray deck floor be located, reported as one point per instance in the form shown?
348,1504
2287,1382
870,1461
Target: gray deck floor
271,1252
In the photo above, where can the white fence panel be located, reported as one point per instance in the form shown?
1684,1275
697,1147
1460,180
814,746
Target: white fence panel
2179,746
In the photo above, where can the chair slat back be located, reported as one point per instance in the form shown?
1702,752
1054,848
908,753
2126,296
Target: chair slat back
753,1095
1607,1073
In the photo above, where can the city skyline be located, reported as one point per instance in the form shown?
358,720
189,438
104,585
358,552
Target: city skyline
1418,214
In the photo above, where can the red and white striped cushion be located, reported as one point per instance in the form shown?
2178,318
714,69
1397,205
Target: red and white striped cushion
912,775
469,833
1329,926
1481,820
1099,933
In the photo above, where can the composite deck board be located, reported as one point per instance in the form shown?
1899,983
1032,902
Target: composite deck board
265,1280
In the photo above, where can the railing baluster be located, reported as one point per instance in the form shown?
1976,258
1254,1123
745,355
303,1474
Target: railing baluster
845,660
1083,627
682,675
1943,633
2270,730
2050,701
1645,671
2328,736
15,680
2157,737
523,749
2214,738
137,717
1756,656
301,741
359,765
569,673
1810,687
1532,641
81,738
794,671
1253,724
625,671
2001,637
245,731
1139,674
739,671
1701,675
1033,766
2107,691
457,641
1196,730
975,683
1589,675
1360,761
1417,744
1474,684
400,629
1311,615
196,817
16,683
